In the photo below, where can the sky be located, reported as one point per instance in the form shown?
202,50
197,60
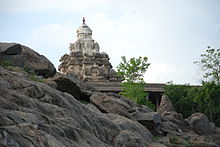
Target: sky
171,33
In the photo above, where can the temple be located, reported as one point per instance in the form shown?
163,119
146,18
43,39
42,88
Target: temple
85,61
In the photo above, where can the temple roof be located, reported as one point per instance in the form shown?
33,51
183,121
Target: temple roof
84,29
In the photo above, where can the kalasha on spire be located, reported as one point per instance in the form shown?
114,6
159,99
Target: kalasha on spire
84,20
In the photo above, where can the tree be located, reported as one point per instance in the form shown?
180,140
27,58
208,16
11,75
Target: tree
182,98
134,69
133,86
208,100
210,64
190,99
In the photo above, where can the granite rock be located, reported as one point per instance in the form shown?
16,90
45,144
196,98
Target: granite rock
25,57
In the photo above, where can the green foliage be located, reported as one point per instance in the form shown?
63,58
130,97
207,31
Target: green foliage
173,139
34,77
182,101
179,140
210,64
208,99
156,138
149,104
83,102
27,69
186,143
14,68
134,69
5,63
135,91
190,99
133,86
9,66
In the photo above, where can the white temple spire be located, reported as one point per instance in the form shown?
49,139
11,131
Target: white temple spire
84,42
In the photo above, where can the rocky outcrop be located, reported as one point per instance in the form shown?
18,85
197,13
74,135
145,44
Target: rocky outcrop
71,85
170,128
22,56
194,130
166,109
10,48
132,126
149,119
51,113
165,105
201,124
108,104
129,139
35,114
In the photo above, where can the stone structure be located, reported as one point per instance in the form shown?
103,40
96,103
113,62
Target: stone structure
85,61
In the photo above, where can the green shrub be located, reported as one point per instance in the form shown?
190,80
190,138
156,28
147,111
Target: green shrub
156,138
5,63
135,92
188,99
27,69
34,77
173,139
83,102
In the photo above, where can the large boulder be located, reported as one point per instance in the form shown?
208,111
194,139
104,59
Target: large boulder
176,118
71,85
203,141
167,111
170,128
150,120
22,56
132,126
10,48
110,104
143,109
153,144
216,135
165,105
133,107
201,124
129,139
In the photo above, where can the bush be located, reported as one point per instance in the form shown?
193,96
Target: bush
190,99
5,63
132,71
27,69
135,91
34,77
182,101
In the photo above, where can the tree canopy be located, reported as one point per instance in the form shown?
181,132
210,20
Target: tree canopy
133,70
210,64
133,86
190,99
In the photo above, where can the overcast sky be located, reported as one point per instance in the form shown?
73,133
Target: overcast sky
171,33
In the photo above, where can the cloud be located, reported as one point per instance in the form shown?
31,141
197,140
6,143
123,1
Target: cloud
39,5
128,34
159,73
51,40
217,28
171,35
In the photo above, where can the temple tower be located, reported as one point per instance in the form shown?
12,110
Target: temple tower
85,61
